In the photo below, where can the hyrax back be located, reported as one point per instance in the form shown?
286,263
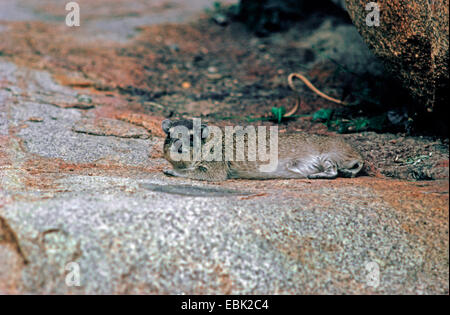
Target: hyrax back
300,155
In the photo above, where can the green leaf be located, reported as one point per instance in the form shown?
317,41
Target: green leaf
278,112
359,124
323,114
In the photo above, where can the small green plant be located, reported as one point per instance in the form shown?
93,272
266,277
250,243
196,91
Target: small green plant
323,114
217,7
359,124
342,125
278,113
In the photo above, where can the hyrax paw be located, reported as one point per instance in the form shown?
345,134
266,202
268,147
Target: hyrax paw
169,172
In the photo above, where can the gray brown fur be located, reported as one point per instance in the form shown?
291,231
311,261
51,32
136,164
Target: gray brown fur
300,155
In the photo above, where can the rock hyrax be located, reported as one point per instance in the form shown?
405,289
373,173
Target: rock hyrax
300,155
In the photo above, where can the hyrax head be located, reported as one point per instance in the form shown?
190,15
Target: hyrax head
179,143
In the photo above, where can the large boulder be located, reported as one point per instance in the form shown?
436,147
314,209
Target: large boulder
412,39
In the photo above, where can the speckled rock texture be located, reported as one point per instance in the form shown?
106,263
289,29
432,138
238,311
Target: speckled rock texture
413,42
100,200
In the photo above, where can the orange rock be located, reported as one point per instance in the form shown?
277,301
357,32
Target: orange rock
151,123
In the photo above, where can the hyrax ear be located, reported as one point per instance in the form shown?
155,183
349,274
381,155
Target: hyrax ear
205,131
166,124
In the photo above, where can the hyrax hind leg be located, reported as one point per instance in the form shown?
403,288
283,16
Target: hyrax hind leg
330,171
313,168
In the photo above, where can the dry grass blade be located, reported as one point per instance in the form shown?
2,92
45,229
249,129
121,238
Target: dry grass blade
312,87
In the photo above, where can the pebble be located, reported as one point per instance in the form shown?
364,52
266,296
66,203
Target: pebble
212,70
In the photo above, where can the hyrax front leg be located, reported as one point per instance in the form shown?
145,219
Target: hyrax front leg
200,173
